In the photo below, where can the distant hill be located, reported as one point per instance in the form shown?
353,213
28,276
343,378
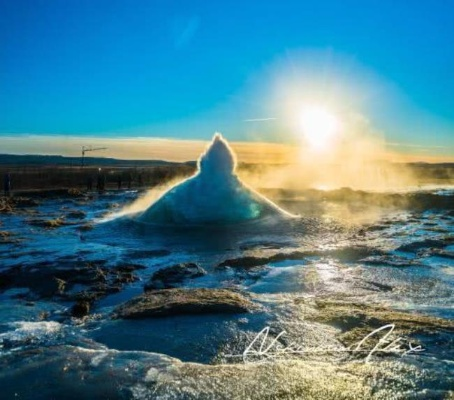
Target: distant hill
433,165
57,160
49,160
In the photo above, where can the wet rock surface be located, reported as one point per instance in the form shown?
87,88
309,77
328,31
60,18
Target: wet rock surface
125,375
80,309
56,280
76,214
392,261
350,254
161,303
8,238
49,223
171,277
14,204
356,320
324,283
149,253
427,243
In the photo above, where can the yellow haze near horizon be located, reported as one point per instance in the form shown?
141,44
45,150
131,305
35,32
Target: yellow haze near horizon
361,162
143,148
178,150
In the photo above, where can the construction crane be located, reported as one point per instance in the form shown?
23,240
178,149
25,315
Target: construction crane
89,148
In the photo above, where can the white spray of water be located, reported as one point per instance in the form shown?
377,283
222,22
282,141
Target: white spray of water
25,330
214,195
142,203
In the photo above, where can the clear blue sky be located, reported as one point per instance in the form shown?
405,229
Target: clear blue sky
107,66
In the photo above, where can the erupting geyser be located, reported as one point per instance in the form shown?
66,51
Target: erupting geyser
215,195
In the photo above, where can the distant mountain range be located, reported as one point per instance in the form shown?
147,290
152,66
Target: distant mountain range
49,160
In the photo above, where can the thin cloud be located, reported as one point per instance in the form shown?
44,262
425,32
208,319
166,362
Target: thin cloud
184,31
259,119
417,146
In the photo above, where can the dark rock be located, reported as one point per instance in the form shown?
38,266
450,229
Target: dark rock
77,214
391,261
263,245
169,302
246,262
96,292
89,296
356,320
8,204
124,273
442,253
74,192
7,238
106,288
128,267
87,275
48,223
430,224
346,254
171,276
80,309
48,194
57,279
60,285
375,228
380,286
126,277
86,227
414,246
51,287
48,279
97,263
25,202
5,205
43,315
7,277
149,253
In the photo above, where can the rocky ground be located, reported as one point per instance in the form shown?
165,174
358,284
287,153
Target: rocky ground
204,297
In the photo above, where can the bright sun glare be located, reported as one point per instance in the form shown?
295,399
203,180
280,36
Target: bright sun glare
319,127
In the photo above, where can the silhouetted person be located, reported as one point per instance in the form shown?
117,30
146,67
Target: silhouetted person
7,184
119,182
140,180
129,180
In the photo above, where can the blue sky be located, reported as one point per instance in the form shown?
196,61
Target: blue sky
183,69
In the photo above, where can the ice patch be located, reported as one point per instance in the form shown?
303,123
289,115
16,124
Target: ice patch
30,330
96,360
152,375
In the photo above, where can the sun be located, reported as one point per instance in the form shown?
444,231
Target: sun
320,127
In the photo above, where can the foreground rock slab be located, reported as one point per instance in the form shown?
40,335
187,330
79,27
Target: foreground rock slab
99,373
161,303
356,320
